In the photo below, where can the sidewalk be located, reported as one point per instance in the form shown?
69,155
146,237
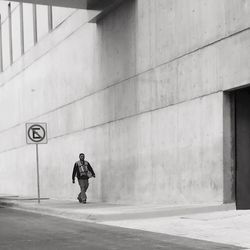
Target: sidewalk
216,223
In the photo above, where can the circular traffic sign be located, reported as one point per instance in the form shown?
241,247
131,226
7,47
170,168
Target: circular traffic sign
36,133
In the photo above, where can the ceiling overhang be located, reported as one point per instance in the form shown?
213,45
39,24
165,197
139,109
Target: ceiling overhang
99,5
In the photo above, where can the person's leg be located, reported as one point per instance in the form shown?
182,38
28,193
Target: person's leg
84,195
79,197
82,188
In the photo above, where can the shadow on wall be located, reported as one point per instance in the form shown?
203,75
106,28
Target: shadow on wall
116,44
116,62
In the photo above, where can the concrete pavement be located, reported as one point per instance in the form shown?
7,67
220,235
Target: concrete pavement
213,222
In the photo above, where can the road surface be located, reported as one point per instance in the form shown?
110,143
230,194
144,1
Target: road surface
23,230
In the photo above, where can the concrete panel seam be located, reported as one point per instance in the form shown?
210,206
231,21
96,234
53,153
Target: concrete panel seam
119,82
105,123
131,77
14,148
81,98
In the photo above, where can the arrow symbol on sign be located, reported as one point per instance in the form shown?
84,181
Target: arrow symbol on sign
35,134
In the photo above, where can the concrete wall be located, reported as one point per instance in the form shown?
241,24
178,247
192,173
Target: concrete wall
141,93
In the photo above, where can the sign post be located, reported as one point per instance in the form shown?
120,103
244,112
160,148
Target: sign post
37,173
36,133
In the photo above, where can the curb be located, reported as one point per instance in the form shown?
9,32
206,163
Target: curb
80,215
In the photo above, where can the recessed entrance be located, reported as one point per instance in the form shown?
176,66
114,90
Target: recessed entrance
242,143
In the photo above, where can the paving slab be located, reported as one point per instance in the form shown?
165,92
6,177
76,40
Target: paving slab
227,227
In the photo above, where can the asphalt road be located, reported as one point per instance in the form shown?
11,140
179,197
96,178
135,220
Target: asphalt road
23,230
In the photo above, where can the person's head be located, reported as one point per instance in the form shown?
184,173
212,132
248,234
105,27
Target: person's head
81,157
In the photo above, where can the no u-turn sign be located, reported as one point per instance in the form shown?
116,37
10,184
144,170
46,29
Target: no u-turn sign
36,133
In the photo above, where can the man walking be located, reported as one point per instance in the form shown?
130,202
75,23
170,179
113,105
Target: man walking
83,171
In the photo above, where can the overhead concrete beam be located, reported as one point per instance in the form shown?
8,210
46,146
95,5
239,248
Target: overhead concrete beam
78,4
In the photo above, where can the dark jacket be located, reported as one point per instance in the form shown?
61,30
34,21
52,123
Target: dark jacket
76,171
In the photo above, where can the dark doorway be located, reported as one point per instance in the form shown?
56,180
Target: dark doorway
242,136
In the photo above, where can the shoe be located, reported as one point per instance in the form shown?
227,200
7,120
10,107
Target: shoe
84,202
79,199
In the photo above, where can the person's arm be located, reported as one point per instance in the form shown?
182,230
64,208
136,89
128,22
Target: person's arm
74,173
91,170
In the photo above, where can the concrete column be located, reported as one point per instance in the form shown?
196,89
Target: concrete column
228,147
1,46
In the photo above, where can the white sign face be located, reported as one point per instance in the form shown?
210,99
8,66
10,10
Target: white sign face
36,133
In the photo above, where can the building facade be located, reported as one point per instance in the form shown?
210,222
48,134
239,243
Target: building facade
147,93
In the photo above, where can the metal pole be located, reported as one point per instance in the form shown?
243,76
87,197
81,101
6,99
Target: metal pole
21,28
50,20
35,24
10,34
37,171
1,46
